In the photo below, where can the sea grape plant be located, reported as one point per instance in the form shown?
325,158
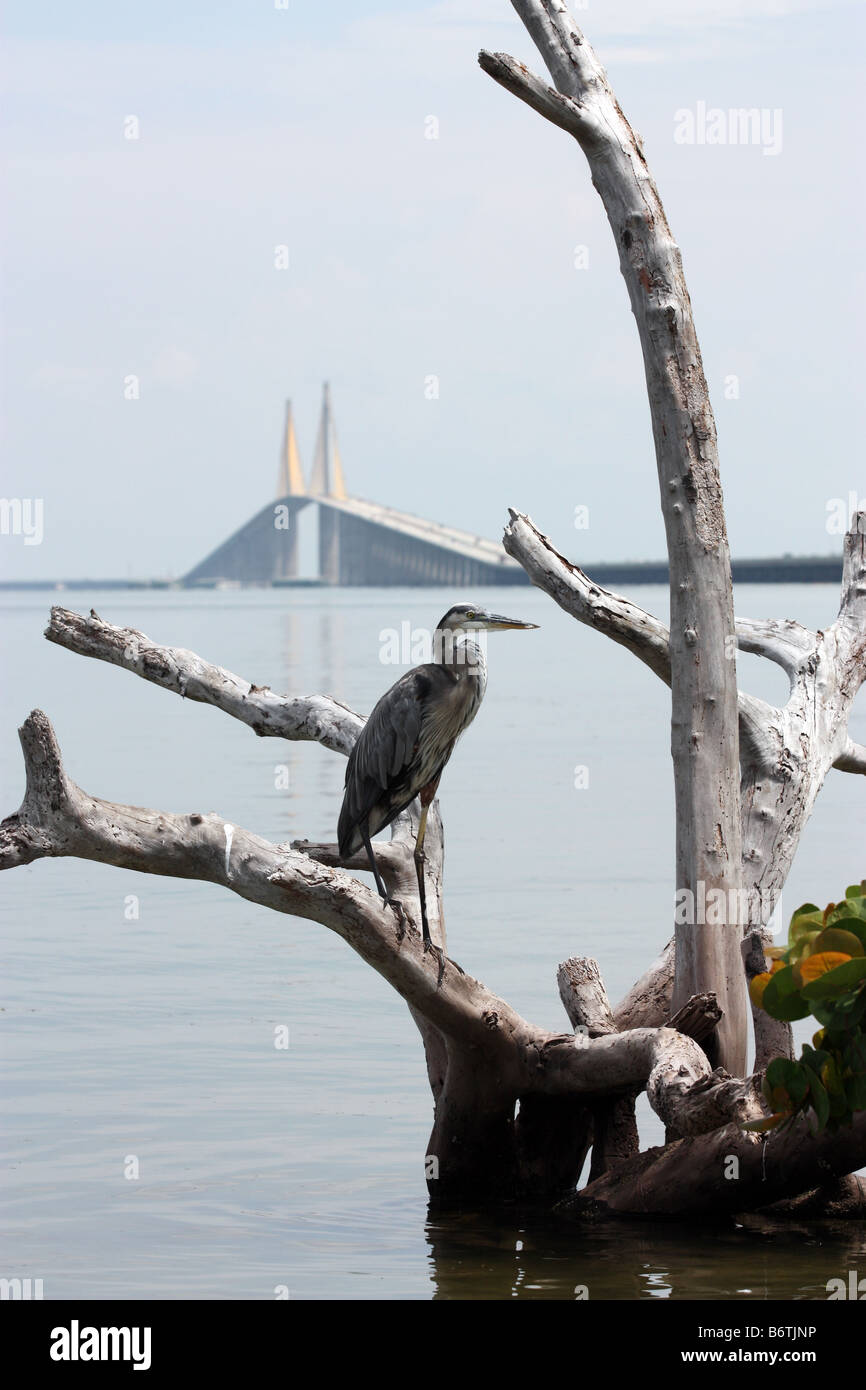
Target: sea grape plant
822,972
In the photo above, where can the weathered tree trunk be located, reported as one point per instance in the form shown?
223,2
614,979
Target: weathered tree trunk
704,732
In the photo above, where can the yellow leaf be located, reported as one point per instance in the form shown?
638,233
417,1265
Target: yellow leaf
819,964
757,985
761,1126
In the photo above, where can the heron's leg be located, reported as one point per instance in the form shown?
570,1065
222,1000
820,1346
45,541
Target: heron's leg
373,865
420,861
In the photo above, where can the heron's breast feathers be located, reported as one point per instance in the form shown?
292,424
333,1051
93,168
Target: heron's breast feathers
405,744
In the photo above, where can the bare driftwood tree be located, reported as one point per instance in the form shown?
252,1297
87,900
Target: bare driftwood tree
518,1108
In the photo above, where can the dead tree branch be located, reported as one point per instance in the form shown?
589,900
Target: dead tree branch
317,718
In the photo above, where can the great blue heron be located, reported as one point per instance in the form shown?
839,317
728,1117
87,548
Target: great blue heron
410,735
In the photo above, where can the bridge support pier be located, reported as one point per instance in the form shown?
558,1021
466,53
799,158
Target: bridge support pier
287,559
329,545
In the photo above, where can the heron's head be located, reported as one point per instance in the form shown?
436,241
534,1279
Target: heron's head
470,617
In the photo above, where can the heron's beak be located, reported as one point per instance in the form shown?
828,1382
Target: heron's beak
496,623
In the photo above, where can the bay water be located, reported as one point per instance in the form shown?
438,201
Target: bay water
157,1144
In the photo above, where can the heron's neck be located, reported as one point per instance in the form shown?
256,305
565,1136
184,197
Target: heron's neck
460,654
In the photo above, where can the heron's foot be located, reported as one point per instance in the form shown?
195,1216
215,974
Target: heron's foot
440,956
400,913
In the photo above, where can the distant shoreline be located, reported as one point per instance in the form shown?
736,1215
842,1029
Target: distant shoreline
790,569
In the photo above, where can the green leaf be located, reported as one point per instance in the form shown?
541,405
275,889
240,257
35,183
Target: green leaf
832,1079
834,1023
805,911
807,918
836,938
782,998
790,1078
851,913
814,1059
820,1102
803,946
847,1006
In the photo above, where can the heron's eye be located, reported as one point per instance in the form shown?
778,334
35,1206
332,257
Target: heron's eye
470,614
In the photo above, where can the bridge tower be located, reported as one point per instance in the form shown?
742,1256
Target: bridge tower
290,483
326,480
360,542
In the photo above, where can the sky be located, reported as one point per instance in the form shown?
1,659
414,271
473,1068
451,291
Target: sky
461,293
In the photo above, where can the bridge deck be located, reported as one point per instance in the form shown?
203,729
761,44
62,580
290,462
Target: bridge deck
450,538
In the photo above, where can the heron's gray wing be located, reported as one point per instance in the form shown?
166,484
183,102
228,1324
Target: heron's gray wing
379,781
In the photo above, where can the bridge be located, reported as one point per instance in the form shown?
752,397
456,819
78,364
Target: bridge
367,543
360,542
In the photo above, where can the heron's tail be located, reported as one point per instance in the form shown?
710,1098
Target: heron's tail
348,835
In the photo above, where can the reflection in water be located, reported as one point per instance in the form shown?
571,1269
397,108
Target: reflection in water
331,644
519,1254
291,630
317,639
